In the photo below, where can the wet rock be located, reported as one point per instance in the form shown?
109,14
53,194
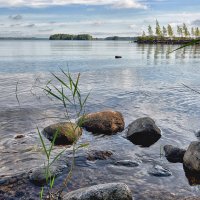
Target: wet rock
160,171
191,159
38,175
128,163
197,134
193,177
109,191
19,136
68,133
174,154
99,155
106,122
144,132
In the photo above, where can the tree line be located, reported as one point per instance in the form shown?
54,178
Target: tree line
70,37
181,31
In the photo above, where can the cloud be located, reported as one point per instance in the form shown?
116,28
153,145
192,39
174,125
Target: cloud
44,3
15,17
196,22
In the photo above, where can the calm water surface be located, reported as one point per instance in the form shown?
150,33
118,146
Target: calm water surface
145,82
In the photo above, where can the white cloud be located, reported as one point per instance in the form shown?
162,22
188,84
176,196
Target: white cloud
40,3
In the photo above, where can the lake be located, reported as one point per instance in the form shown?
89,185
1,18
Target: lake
147,81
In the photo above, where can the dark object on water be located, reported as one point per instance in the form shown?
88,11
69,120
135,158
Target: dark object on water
19,136
144,132
174,154
117,57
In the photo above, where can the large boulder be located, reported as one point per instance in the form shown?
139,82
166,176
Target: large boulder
191,159
106,122
109,191
144,132
67,132
174,154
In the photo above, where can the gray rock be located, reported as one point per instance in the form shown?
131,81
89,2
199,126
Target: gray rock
191,159
128,163
109,191
144,132
38,176
106,122
160,171
68,133
197,134
174,154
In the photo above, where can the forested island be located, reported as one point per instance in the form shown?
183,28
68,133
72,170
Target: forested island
87,37
167,35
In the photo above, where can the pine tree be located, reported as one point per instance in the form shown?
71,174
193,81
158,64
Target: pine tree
192,32
158,29
143,34
150,31
170,31
164,32
179,31
185,30
197,32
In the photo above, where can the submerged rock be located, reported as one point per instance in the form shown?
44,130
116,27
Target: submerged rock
144,132
174,154
191,159
68,133
109,191
106,122
38,176
160,171
99,155
128,163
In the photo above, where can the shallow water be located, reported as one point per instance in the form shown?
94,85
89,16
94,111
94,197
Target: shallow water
145,82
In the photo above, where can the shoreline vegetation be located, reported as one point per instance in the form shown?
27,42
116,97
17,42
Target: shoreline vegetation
88,37
168,35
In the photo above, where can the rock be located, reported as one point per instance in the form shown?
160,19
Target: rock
193,177
117,57
191,159
38,175
68,133
109,191
99,155
160,171
174,154
106,122
19,136
128,163
144,132
197,134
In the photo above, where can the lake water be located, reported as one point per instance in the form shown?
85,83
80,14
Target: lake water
145,82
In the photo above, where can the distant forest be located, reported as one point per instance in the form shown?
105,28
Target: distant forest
87,37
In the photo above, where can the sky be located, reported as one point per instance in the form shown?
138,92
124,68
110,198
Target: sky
100,18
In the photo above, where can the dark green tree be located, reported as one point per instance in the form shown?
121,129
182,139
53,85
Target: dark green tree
150,31
158,29
170,31
164,32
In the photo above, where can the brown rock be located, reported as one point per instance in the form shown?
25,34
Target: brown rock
106,122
